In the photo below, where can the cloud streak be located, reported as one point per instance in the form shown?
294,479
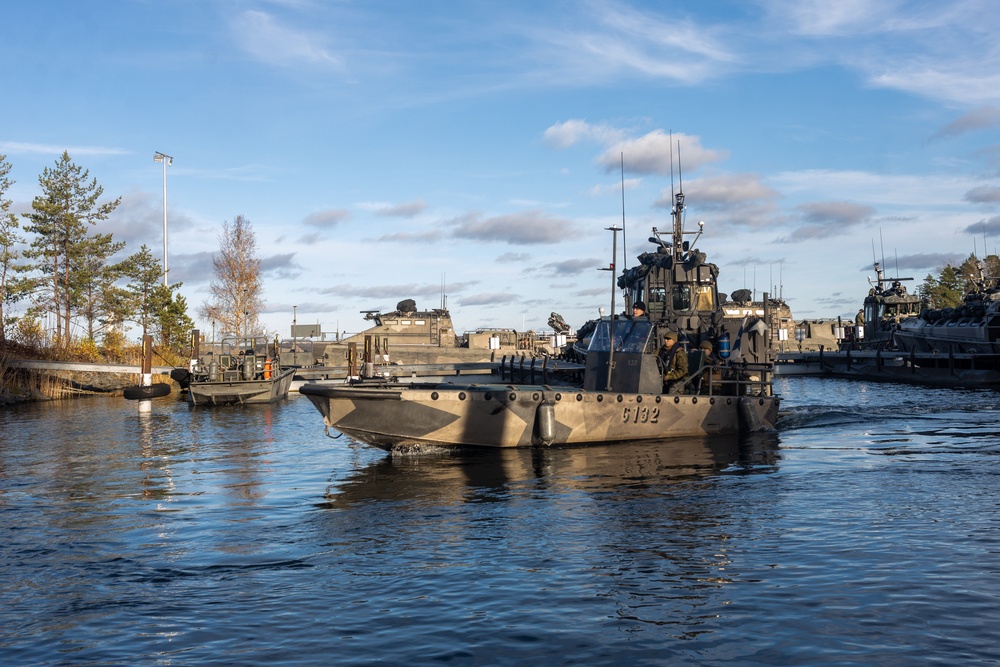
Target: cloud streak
526,228
265,38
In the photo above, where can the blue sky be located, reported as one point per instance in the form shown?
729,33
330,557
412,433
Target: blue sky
382,149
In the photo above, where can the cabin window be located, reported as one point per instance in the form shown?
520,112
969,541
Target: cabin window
681,297
630,336
420,322
656,295
405,322
703,299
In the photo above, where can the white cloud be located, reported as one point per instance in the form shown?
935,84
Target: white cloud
326,219
405,210
822,17
263,37
573,131
527,228
20,148
611,39
652,153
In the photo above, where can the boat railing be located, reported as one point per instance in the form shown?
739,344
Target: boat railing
727,379
522,369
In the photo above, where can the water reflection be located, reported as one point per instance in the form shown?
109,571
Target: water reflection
154,458
648,534
494,475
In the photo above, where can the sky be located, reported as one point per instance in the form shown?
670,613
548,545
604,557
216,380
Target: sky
478,151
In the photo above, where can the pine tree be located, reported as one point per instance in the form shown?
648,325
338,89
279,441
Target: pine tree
992,264
146,295
948,289
60,219
160,310
927,289
968,273
174,322
12,287
95,277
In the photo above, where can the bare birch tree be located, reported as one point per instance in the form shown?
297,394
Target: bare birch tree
237,288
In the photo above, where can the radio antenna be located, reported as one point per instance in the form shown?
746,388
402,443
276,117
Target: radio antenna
624,241
671,167
881,245
680,169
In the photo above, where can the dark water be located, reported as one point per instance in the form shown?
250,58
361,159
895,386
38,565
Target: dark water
866,532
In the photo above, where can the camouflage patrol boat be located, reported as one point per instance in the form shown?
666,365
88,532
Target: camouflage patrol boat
616,395
972,328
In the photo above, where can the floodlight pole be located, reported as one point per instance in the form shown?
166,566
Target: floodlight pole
167,161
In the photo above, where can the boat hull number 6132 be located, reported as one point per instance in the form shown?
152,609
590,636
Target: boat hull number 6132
640,414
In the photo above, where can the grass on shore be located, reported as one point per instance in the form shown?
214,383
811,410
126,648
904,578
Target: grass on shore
20,385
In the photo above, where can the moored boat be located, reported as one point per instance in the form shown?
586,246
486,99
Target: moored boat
621,396
970,328
886,308
897,339
237,371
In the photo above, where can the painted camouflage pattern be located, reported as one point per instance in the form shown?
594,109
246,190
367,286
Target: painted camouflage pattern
516,415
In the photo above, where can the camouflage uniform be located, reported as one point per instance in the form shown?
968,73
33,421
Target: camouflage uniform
675,365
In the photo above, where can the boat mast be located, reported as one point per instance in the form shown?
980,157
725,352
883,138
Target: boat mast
678,231
611,324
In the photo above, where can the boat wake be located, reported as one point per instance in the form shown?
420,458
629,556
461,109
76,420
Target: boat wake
824,416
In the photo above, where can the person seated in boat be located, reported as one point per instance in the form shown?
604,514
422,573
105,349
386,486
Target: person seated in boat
674,362
639,309
712,365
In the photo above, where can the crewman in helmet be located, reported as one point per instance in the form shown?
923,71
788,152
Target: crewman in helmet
674,362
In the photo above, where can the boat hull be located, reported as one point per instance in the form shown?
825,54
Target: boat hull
239,392
923,368
529,415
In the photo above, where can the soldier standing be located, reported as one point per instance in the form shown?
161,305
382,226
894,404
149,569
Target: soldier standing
675,363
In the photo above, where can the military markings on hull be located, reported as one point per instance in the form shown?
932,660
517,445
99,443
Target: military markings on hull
514,416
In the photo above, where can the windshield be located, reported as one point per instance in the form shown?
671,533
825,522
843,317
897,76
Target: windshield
630,336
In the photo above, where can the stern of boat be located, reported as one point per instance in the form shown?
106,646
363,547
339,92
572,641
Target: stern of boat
758,413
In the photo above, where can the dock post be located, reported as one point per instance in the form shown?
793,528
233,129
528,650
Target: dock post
146,404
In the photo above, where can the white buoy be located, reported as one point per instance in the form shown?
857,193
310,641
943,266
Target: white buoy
145,404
